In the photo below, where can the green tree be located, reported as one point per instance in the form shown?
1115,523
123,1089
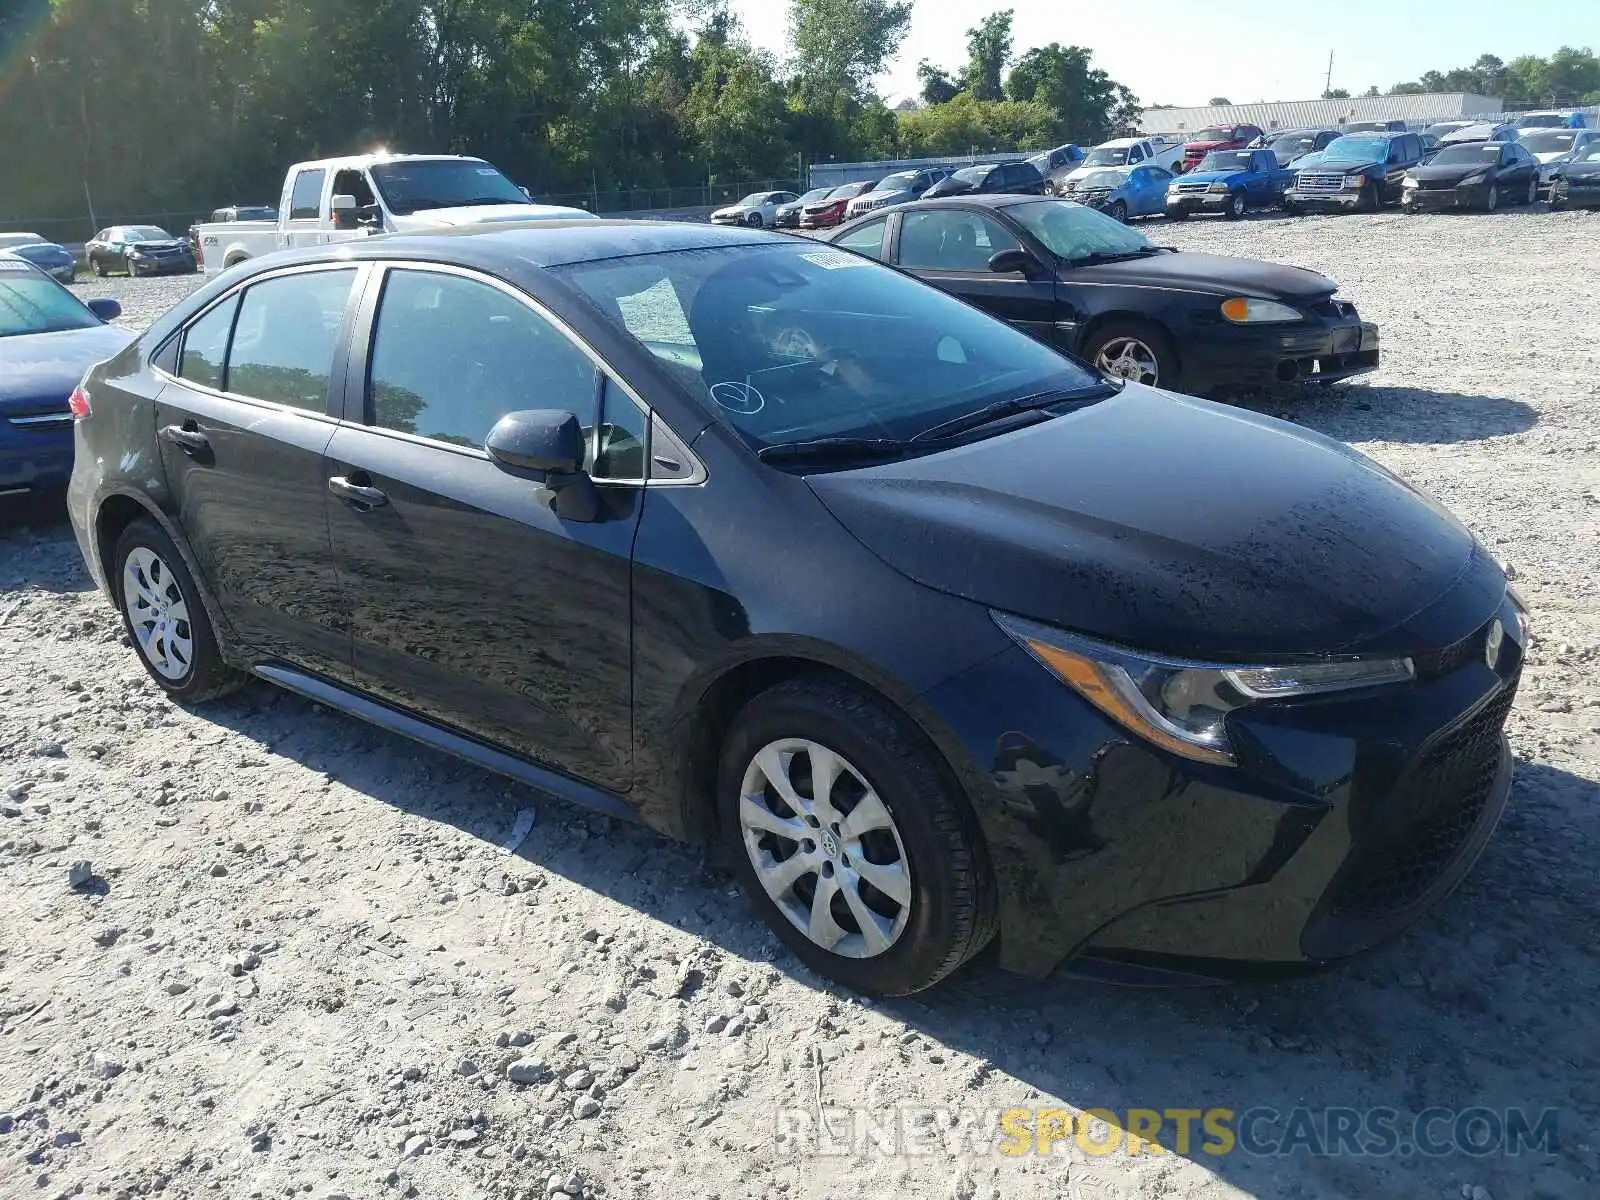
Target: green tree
969,125
938,87
1089,105
1219,101
839,45
1336,94
988,52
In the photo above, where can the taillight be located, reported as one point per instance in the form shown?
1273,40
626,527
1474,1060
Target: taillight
78,402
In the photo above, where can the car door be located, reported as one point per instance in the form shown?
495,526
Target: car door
302,202
868,239
242,426
1153,195
951,248
473,602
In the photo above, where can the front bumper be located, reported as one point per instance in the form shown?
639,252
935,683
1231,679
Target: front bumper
177,264
1346,819
1472,195
1317,351
1341,200
1587,196
35,452
821,220
1194,202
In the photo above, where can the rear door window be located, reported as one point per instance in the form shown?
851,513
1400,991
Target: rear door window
285,337
306,200
951,240
205,346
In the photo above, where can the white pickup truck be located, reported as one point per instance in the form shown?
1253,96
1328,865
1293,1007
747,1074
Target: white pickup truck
1154,151
338,199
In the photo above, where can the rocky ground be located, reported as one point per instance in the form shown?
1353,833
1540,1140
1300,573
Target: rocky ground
309,958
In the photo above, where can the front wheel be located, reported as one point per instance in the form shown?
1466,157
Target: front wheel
1236,206
1491,200
165,617
1134,351
97,266
1533,190
1289,206
849,840
1178,214
754,220
1118,211
1372,197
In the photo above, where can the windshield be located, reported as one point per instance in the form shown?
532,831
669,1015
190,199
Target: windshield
414,186
794,343
815,194
972,174
1471,152
1372,148
1103,179
1226,160
899,182
1040,163
1294,143
1542,121
1444,127
1075,232
30,303
1557,141
145,233
1217,133
1590,153
1107,156
849,191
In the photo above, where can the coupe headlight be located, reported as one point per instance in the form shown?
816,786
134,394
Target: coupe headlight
1257,312
1183,706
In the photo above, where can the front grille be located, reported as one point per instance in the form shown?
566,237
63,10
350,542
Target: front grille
1319,181
1334,310
1193,187
1456,655
1434,810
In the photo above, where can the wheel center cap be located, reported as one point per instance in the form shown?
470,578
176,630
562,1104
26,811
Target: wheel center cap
830,844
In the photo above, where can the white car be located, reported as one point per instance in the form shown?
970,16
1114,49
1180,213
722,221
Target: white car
1125,152
759,210
1553,147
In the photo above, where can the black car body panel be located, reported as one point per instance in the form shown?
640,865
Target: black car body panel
596,658
1576,185
1333,179
1065,304
1513,176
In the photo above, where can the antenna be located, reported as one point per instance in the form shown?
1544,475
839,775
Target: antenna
1328,86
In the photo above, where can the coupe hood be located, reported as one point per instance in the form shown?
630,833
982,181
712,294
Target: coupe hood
42,368
482,214
1178,526
1213,273
1450,172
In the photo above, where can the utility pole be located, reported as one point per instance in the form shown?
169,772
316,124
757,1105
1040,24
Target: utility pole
1328,85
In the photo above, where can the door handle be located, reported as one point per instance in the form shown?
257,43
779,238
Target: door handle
362,496
186,438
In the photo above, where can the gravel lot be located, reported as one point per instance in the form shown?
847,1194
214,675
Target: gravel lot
308,965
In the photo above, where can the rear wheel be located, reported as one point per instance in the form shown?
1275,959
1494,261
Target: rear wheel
850,842
164,615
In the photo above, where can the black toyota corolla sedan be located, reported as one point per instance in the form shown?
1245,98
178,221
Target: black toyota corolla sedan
1084,282
941,635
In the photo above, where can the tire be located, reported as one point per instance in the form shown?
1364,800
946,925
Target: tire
924,841
97,267
1131,344
1237,205
1408,208
754,221
1491,200
179,652
1533,191
1177,214
1118,211
1371,198
1290,207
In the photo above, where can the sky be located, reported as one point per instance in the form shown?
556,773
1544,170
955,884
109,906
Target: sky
1183,53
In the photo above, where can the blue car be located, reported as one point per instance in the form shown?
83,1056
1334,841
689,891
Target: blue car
1122,192
48,339
55,261
1230,182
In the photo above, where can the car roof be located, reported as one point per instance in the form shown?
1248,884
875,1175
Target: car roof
547,243
1119,143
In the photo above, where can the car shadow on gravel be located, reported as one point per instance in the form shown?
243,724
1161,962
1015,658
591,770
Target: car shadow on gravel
37,549
1479,1005
1376,413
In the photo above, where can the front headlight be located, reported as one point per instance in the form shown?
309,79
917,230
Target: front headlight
1183,706
1475,177
1218,187
1354,182
1256,312
1409,184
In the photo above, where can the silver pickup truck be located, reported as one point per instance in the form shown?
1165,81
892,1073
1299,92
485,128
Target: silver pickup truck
337,199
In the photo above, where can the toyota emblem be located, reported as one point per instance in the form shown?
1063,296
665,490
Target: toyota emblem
1492,644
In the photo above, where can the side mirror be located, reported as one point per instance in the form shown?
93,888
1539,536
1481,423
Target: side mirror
105,309
526,192
1007,262
548,444
343,204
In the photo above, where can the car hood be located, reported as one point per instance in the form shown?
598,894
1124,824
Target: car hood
1082,172
1449,172
1191,147
1214,176
1211,273
1580,170
1178,526
39,369
1342,163
897,196
482,214
158,244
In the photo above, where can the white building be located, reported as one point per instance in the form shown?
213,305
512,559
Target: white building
1294,114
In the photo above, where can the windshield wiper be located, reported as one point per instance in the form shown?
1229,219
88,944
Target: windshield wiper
1100,256
833,450
1008,408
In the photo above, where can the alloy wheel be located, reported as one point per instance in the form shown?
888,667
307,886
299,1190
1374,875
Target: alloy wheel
1236,205
158,614
1118,211
1492,200
1129,358
825,848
